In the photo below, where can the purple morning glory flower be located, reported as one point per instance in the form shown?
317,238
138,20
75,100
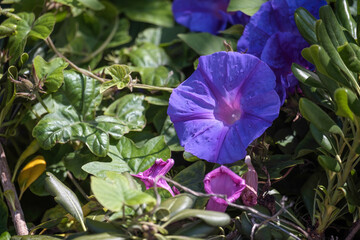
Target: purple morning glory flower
249,195
222,181
160,167
272,36
206,15
227,103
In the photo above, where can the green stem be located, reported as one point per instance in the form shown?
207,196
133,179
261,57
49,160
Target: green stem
104,45
149,87
38,97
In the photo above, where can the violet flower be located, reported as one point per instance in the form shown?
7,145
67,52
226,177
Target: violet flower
249,195
272,36
206,15
160,167
222,181
227,103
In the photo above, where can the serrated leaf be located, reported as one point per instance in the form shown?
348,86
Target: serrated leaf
65,197
50,72
126,156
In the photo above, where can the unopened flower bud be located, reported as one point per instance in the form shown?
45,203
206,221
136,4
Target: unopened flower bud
249,195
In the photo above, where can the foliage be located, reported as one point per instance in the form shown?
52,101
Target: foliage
85,88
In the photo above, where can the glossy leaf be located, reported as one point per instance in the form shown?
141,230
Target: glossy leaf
306,76
158,76
28,27
247,7
149,55
156,12
306,23
126,156
50,72
120,75
192,176
175,205
332,26
318,117
329,163
170,135
212,218
350,54
114,192
65,197
342,104
31,172
344,16
197,229
322,139
203,43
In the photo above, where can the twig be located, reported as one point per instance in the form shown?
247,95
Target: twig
353,231
72,179
131,85
241,207
14,205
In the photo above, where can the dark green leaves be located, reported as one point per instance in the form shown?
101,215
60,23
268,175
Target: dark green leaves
318,117
28,27
203,43
120,75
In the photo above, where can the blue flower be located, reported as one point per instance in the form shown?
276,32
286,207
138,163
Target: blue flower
206,15
272,36
227,103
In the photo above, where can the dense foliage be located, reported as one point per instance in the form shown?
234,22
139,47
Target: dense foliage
160,119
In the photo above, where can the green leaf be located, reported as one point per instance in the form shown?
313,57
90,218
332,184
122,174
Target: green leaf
306,76
306,23
203,43
65,197
350,54
212,218
344,16
50,72
341,99
247,7
158,76
332,26
120,75
122,34
149,55
175,205
156,12
5,236
92,4
329,163
278,163
3,216
114,192
318,117
322,139
27,26
170,135
130,109
192,176
126,156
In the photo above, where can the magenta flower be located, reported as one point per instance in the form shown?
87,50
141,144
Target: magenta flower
206,15
227,103
222,181
160,167
249,195
272,35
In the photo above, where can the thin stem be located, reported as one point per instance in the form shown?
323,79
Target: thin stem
73,180
16,213
131,85
354,230
104,44
38,97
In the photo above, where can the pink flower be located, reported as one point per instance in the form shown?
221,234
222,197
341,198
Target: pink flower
160,167
222,181
249,196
